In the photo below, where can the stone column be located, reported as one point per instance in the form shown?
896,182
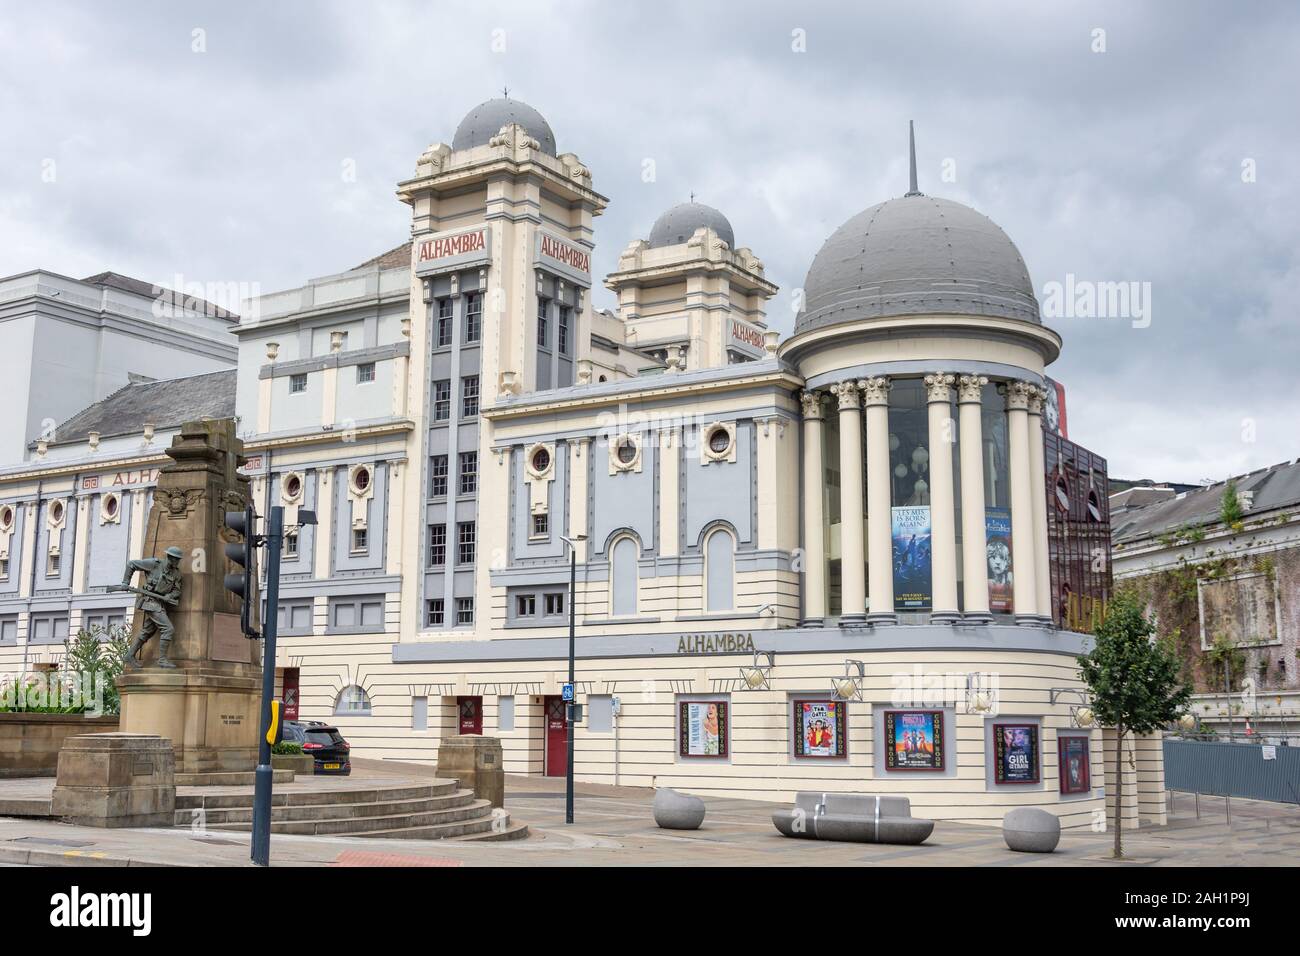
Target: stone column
943,513
975,571
1024,584
853,584
814,519
880,543
1038,476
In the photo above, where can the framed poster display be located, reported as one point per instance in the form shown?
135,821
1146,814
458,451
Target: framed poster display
820,728
914,740
910,528
702,728
1015,753
1072,752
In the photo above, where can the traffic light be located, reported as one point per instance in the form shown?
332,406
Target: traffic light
244,554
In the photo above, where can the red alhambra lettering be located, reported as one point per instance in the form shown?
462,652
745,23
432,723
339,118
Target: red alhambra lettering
456,245
571,256
746,333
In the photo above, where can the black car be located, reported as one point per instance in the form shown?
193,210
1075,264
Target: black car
323,742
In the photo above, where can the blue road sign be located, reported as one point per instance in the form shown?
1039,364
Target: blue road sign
567,692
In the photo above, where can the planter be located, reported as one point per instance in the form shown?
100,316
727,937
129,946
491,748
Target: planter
30,743
298,763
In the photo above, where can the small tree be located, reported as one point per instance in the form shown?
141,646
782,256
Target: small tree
1230,512
98,656
1134,681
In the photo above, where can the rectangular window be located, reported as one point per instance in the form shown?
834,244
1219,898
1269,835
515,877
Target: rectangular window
563,331
437,545
540,524
52,567
600,713
434,615
473,317
465,540
469,396
419,713
365,373
465,610
297,383
4,568
554,604
506,713
291,544
442,400
359,542
438,477
468,472
542,338
525,605
444,323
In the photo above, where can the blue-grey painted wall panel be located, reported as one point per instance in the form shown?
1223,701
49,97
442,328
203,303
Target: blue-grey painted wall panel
719,491
624,499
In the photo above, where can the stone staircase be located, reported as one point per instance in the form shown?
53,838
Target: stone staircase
436,810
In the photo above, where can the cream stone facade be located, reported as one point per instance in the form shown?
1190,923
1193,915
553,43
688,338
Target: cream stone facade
458,415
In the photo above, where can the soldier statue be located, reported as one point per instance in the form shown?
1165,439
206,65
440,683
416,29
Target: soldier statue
162,586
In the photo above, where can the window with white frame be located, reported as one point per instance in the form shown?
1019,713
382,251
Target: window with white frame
297,383
365,373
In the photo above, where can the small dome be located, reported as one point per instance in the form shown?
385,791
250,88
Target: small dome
485,121
915,255
679,224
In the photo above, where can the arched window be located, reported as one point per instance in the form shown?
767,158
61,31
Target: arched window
623,577
352,701
720,571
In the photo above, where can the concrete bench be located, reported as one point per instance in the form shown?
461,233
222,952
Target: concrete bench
852,817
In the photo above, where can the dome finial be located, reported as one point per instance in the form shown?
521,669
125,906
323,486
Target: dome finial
911,145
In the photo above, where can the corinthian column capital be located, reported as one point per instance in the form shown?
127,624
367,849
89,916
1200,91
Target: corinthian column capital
1018,395
938,387
1036,400
969,389
875,391
812,405
847,393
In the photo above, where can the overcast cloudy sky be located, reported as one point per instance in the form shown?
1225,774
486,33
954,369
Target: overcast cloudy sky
211,140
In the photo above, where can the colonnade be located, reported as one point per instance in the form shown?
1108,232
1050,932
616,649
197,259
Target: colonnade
866,545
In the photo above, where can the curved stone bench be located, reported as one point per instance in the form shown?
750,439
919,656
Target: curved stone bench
852,817
1031,830
677,811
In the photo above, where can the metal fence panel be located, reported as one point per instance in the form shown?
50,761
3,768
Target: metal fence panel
1232,770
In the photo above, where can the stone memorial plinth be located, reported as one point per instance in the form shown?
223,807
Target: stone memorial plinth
208,704
476,762
115,780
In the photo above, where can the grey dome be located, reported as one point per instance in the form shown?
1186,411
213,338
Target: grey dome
485,121
914,255
679,224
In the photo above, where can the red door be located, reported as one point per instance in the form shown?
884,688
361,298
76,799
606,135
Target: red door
557,738
471,714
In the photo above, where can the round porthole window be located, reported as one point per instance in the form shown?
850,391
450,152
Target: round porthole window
541,460
626,451
56,511
361,479
6,517
293,485
719,441
110,505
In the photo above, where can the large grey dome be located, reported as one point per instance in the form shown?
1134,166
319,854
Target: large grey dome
914,255
485,121
679,224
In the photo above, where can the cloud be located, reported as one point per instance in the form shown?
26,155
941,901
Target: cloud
227,165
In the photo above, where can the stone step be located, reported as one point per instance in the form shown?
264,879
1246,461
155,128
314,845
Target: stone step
479,828
510,831
229,778
476,811
327,811
332,796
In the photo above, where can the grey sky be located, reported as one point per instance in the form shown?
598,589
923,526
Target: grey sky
228,165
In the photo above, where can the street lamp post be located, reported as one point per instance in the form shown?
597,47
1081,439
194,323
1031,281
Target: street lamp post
569,709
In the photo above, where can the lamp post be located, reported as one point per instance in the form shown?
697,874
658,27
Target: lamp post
572,705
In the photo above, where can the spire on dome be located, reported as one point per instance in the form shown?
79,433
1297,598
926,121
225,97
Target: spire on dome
911,144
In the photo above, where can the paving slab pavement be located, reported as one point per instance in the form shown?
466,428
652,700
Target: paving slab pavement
614,827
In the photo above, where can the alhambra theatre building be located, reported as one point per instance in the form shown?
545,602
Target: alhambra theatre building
817,563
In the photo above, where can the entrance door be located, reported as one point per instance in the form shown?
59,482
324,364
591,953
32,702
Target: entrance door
557,738
471,714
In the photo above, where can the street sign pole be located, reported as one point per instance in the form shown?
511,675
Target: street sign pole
263,777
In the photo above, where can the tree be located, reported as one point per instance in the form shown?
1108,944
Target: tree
96,657
1134,681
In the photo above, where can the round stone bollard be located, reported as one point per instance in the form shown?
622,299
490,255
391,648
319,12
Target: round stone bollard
1031,830
678,811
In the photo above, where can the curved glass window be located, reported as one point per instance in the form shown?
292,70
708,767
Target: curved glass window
353,701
